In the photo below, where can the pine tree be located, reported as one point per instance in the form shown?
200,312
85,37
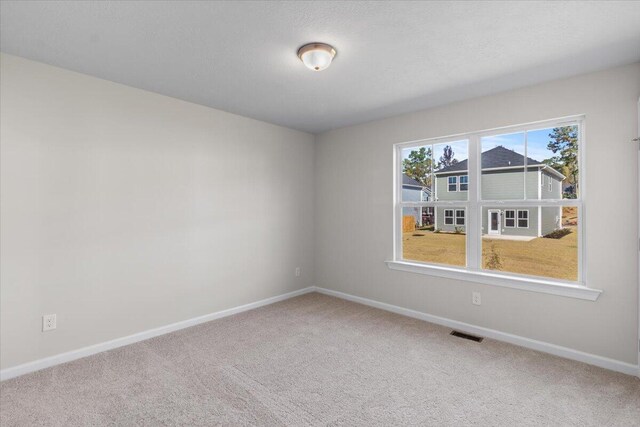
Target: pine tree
419,166
564,144
447,158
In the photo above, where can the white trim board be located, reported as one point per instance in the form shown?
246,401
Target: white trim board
556,350
603,362
69,356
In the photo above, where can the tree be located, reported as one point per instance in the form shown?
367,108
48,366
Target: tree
447,158
564,144
419,166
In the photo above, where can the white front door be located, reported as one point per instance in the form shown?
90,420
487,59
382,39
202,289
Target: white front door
494,221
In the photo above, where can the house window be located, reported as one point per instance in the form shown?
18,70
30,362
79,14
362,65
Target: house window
509,218
523,219
508,229
448,217
464,183
452,186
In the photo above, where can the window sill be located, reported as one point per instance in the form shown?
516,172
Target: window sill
522,283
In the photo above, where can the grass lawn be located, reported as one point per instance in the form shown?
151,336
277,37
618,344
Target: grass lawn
554,258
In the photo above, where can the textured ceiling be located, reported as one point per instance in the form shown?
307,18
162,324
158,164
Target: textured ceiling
393,57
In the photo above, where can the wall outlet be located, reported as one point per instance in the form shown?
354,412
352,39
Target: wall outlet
48,322
475,298
298,271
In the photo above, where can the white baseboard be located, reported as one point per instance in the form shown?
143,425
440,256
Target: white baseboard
556,350
592,359
58,359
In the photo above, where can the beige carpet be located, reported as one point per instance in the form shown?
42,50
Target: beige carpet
317,360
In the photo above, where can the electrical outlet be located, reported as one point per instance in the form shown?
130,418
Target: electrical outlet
48,322
297,271
475,298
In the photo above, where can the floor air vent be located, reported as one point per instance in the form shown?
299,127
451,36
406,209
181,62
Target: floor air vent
466,336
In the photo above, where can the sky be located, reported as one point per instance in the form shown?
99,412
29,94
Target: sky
537,141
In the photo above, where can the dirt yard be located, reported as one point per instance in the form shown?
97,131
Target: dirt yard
553,258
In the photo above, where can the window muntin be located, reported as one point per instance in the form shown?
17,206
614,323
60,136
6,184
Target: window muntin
523,218
452,183
448,216
534,194
464,183
460,217
510,218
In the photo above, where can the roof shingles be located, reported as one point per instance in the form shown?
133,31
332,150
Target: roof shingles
498,157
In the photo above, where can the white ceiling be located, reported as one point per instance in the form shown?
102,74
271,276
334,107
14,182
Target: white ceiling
393,57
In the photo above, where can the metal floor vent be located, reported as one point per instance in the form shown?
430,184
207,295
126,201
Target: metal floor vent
466,336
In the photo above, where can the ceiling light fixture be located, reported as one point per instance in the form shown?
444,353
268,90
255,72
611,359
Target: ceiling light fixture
316,56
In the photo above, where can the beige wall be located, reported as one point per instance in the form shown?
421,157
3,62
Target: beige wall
354,215
124,210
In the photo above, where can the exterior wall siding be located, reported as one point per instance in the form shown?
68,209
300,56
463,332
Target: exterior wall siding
509,185
551,219
442,192
532,230
556,186
440,225
496,185
410,194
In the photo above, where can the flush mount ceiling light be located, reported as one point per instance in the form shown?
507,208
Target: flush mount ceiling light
316,56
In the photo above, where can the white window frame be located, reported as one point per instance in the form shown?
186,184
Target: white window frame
474,205
518,218
452,216
455,184
460,182
463,218
514,218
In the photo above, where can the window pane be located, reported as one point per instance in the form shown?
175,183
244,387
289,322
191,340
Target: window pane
502,161
464,183
555,151
543,243
430,243
417,174
450,166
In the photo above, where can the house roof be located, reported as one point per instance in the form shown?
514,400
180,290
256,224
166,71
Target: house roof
498,157
407,180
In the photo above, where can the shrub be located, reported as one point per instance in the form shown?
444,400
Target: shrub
558,234
493,261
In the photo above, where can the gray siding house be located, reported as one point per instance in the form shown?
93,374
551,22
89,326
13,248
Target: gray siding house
502,179
414,191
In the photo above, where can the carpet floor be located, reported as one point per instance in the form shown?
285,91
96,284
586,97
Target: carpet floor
318,360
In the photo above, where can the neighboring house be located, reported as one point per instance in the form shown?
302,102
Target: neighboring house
414,191
502,179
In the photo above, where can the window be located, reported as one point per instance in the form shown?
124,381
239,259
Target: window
523,219
453,186
489,214
509,218
464,183
448,216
